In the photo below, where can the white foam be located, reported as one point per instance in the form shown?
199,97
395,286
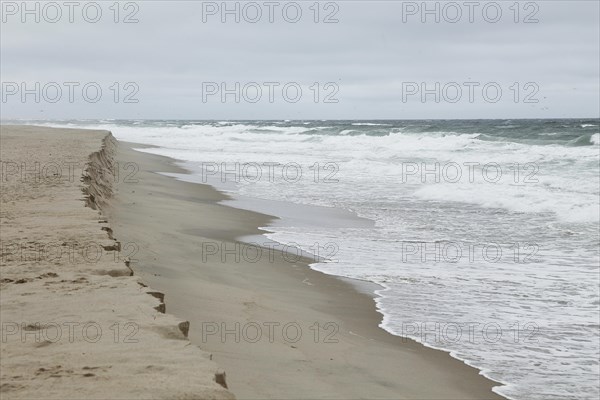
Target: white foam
368,124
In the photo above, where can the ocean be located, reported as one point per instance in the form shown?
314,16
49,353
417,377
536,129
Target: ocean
484,234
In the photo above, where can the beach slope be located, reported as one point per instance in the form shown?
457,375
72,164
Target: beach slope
280,329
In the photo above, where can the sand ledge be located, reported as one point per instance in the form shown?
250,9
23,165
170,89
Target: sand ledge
76,325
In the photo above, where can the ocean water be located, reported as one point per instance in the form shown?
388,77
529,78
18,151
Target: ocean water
485,238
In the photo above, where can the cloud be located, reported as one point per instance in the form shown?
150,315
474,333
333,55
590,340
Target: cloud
374,49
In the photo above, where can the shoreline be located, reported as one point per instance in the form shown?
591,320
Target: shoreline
361,286
460,380
76,322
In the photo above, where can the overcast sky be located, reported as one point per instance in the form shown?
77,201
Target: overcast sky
372,63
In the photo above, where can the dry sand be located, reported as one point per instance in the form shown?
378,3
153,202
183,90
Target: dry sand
238,309
75,323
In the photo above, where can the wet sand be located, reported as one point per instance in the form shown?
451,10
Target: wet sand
278,328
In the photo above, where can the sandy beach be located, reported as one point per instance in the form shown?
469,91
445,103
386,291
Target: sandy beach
75,322
277,328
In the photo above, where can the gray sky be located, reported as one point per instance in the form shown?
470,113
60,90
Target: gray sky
375,60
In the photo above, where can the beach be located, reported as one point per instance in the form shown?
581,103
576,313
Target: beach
300,200
277,328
